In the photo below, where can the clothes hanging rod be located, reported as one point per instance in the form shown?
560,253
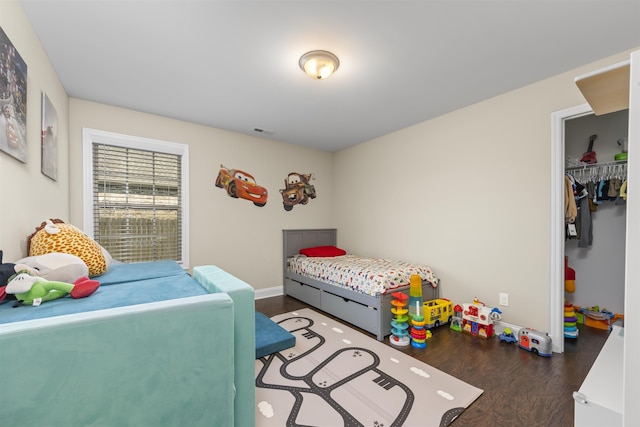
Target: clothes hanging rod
596,165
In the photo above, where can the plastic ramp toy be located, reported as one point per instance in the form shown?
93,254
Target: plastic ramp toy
400,323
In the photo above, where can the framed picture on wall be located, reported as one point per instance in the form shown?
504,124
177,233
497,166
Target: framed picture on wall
13,100
49,143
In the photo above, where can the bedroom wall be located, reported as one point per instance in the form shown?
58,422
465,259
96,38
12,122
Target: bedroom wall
231,233
467,193
26,194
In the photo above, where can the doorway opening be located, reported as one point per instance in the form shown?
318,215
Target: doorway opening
556,252
572,128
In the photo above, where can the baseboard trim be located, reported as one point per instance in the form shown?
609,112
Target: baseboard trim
268,292
499,326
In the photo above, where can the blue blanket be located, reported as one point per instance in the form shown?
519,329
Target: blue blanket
122,285
125,273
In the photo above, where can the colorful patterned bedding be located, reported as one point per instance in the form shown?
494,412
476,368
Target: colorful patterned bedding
366,275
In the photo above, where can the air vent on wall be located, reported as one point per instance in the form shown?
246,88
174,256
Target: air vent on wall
263,131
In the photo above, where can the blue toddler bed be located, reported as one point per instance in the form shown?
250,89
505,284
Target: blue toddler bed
152,346
122,285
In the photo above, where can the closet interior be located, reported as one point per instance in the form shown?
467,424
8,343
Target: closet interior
595,233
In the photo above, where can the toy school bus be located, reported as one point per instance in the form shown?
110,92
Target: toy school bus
437,312
535,341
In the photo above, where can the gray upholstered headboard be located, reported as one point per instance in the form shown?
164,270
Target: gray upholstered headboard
294,240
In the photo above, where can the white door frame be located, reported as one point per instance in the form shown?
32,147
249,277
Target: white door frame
556,252
631,367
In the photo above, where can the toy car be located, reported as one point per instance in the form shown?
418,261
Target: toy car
297,190
508,337
537,342
241,184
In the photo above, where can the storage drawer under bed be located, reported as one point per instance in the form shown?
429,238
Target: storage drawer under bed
303,292
350,311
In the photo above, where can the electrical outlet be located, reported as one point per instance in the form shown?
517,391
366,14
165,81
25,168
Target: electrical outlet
504,299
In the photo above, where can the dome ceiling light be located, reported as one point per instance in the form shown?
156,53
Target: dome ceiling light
319,64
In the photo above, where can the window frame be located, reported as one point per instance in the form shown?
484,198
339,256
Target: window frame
94,136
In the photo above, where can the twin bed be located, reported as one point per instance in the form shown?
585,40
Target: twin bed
355,289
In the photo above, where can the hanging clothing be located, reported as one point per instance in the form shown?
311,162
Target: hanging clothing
605,182
623,190
584,223
622,194
570,208
614,188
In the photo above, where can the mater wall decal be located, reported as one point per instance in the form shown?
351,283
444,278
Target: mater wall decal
297,190
241,184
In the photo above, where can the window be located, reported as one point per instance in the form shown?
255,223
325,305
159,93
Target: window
136,196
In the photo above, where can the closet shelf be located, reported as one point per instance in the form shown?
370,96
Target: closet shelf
606,90
599,171
585,166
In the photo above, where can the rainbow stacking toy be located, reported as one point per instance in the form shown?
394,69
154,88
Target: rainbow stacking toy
416,313
399,324
415,295
418,331
570,321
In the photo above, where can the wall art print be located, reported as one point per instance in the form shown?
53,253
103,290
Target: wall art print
13,100
297,190
49,139
241,184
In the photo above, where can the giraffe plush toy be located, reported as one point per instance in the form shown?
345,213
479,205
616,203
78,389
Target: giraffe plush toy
54,235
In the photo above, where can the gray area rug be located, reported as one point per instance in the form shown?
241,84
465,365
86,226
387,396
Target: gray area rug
337,376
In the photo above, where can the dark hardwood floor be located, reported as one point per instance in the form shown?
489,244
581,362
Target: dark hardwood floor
520,388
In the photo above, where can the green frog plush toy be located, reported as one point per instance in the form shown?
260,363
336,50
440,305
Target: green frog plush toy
33,290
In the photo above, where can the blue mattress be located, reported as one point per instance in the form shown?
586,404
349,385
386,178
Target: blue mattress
122,285
123,273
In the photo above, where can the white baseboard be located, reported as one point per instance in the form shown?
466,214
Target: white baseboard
269,292
499,327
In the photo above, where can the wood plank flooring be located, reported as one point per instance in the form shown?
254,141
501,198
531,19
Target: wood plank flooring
520,388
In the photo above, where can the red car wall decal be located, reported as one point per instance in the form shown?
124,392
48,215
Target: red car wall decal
241,184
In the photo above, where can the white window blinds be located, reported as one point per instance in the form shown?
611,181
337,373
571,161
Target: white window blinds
137,203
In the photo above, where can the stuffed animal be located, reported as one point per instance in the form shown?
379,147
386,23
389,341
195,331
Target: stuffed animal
7,270
34,290
54,235
57,266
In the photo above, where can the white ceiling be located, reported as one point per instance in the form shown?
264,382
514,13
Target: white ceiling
234,64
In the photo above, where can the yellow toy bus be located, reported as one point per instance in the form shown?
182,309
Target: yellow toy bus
437,312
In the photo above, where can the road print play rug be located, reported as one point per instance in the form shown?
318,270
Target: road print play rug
337,376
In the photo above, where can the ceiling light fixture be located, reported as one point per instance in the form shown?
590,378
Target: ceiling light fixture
319,64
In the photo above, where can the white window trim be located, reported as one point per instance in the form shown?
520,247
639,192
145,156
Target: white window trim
93,136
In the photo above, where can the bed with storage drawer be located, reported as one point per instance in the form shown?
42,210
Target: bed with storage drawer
357,290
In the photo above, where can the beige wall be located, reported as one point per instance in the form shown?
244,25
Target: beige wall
26,195
231,233
468,193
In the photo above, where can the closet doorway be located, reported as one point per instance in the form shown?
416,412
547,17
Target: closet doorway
600,267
